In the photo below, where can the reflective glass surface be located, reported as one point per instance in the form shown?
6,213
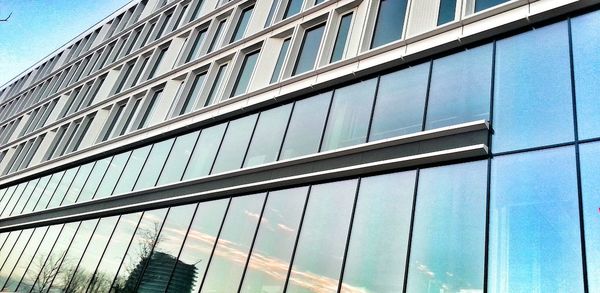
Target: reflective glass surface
342,37
30,272
245,74
390,22
63,186
10,204
132,170
240,29
485,4
20,267
309,50
93,181
205,151
77,184
192,97
24,197
534,223
108,183
49,190
293,8
234,145
280,59
532,90
178,158
268,136
447,11
13,255
154,164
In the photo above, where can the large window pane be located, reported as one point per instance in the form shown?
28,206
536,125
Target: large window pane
191,99
293,8
14,199
63,186
25,197
447,11
322,241
309,50
400,103
306,126
93,181
13,256
36,194
586,62
534,223
7,196
31,271
233,246
390,22
154,164
114,253
77,185
164,256
216,86
107,185
178,158
199,243
243,79
132,170
25,257
379,239
275,239
448,238
205,151
268,136
532,91
235,143
349,117
460,88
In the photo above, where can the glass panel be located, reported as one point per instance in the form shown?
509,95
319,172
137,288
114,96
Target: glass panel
320,249
83,275
342,37
7,195
400,103
460,88
139,251
268,136
233,246
10,205
349,116
114,253
164,256
532,91
132,170
534,223
71,256
293,8
198,245
390,22
447,11
378,243
150,109
280,59
275,239
235,143
240,29
93,181
271,12
307,56
306,126
243,79
205,151
485,4
63,186
450,209
154,164
8,245
586,45
35,195
178,158
190,101
77,185
25,197
214,90
13,255
30,271
590,185
107,185
195,51
49,190
217,37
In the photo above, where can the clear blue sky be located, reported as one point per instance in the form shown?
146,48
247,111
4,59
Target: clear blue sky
38,27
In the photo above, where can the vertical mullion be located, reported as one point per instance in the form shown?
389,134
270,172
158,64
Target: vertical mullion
30,262
29,197
103,176
91,280
20,255
46,259
262,211
331,97
250,140
212,166
285,132
62,258
376,94
349,235
287,278
162,169
187,164
427,95
410,231
83,254
121,174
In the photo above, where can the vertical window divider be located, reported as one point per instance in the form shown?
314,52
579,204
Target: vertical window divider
29,264
20,254
86,180
28,198
103,176
62,258
326,118
427,95
289,271
120,175
410,230
212,166
41,193
285,132
249,141
373,108
187,164
162,169
489,177
137,178
215,244
83,254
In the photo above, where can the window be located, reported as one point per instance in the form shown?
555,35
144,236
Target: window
342,38
268,136
447,11
126,70
114,171
191,98
534,223
57,140
280,60
132,170
450,209
81,135
349,116
205,151
140,70
217,37
532,90
118,111
216,86
400,102
125,127
274,4
178,158
234,145
154,164
590,184
163,26
306,126
136,35
243,80
390,22
485,4
93,181
293,8
157,62
195,50
180,17
150,109
70,196
148,33
309,50
240,28
460,88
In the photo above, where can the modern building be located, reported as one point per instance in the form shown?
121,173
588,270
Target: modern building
308,146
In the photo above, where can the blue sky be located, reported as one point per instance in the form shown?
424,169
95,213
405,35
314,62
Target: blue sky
38,27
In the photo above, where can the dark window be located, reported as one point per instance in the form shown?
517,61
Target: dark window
242,24
243,79
485,4
192,97
342,38
447,11
293,7
279,65
307,57
390,22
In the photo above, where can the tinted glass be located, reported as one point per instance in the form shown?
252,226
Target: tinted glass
235,144
233,246
318,260
63,186
534,223
450,209
78,182
586,45
31,272
400,103
390,22
24,197
178,158
378,243
268,136
306,126
342,37
154,164
117,164
13,256
132,170
485,4
447,11
272,251
20,267
282,55
195,51
460,88
349,116
192,97
590,185
532,91
205,151
243,79
307,56
10,205
240,29
93,181
294,6
199,243
214,90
